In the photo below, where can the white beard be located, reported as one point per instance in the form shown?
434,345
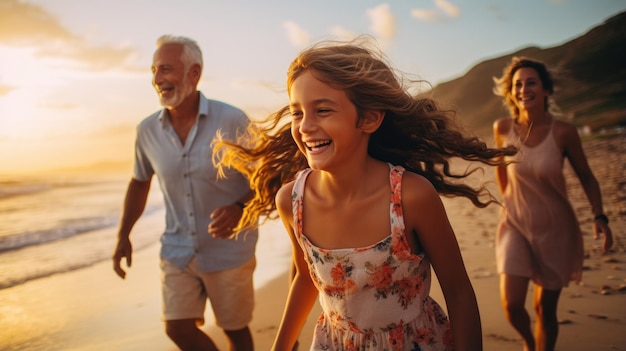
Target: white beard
180,93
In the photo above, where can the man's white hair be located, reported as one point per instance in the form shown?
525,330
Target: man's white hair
191,51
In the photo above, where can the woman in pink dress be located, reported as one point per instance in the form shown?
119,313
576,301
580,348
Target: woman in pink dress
538,237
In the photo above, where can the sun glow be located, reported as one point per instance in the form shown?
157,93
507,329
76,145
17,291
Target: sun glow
28,81
22,68
42,125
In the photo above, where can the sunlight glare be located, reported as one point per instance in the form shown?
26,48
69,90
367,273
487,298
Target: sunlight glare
23,69
30,81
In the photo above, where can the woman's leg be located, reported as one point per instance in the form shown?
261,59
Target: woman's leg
547,324
513,291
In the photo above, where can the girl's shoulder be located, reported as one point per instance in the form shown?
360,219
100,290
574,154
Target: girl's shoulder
285,192
284,195
417,189
420,201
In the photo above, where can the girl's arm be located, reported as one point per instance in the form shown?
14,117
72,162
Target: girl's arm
426,217
568,138
302,292
498,133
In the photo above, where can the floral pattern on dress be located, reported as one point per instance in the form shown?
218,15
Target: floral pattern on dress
375,297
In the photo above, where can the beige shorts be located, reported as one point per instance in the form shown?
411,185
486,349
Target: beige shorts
231,293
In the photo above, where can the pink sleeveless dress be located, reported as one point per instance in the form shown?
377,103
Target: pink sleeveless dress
538,235
376,297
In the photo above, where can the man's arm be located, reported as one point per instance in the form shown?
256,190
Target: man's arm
134,205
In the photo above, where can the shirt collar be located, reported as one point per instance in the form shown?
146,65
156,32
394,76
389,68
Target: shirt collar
203,110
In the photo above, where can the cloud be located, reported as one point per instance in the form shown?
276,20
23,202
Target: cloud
23,23
425,15
98,58
448,8
297,35
28,25
443,10
383,22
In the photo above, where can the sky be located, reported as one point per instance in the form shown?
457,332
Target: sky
75,74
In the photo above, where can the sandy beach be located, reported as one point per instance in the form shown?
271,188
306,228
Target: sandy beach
92,309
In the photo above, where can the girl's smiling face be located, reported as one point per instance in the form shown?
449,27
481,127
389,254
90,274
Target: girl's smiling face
324,123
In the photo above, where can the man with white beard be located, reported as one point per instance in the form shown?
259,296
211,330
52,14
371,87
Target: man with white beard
175,145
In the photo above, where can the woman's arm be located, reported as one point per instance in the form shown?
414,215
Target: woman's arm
302,292
500,128
425,215
568,138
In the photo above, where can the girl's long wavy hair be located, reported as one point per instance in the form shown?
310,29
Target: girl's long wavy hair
415,132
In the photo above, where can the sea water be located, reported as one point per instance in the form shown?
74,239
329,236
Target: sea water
55,224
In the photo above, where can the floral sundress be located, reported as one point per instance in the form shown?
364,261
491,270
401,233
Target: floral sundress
375,297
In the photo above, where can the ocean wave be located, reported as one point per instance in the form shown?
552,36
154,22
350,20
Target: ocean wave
74,252
13,188
67,228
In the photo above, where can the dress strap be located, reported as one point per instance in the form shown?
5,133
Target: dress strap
395,180
396,216
297,196
395,203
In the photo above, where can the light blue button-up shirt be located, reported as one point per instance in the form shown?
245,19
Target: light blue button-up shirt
191,187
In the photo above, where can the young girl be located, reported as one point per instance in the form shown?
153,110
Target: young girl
357,175
539,238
